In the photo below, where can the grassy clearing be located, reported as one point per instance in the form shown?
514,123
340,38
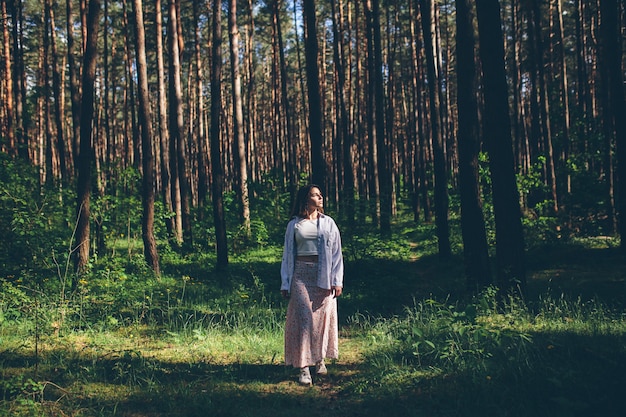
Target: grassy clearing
198,343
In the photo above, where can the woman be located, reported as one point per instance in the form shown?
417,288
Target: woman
312,276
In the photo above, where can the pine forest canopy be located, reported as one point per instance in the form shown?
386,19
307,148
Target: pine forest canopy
518,105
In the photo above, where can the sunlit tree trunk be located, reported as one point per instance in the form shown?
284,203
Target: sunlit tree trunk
241,163
251,98
8,128
145,122
163,129
176,124
199,125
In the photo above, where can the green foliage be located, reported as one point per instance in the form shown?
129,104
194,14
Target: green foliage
551,359
448,337
34,224
24,393
13,300
194,336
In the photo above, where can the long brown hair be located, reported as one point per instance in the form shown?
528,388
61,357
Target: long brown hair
299,205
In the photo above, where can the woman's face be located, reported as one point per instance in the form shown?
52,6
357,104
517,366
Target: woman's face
315,201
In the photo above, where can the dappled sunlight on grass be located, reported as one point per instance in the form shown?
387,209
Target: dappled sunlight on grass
413,342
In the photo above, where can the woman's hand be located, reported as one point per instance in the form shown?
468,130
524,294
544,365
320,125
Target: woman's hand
337,290
285,293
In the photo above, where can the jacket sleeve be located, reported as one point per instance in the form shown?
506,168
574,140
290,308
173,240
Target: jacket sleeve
286,266
336,272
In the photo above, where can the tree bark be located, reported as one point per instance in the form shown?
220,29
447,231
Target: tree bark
383,150
145,123
316,134
59,102
9,125
542,115
199,125
19,80
85,158
441,177
475,247
241,163
73,80
176,124
511,275
217,170
611,58
346,183
163,128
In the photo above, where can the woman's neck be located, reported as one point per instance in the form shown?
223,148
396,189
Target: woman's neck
313,215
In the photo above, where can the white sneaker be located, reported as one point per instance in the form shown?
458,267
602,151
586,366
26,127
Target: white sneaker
305,376
320,368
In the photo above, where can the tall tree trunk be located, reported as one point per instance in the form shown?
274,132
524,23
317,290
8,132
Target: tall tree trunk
8,130
73,80
251,91
582,90
563,76
346,188
19,80
316,134
164,137
284,103
511,275
370,110
416,132
85,159
611,58
475,247
46,96
145,122
441,178
238,128
383,150
199,125
606,124
176,124
217,171
57,89
543,115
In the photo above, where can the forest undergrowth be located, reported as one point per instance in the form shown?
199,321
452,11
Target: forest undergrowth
196,342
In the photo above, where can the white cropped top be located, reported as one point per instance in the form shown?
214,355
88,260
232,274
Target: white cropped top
306,237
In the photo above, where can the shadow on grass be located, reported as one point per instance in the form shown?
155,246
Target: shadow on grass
131,385
565,375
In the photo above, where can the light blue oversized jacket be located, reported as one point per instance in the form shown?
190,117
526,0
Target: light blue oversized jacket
330,258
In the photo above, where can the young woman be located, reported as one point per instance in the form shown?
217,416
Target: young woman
312,278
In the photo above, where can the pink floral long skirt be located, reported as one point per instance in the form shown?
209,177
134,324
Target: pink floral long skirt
311,326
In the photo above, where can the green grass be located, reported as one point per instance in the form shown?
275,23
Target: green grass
197,342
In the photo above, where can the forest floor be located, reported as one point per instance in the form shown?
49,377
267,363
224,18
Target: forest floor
140,371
